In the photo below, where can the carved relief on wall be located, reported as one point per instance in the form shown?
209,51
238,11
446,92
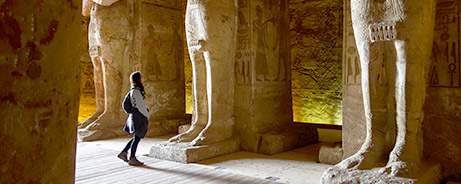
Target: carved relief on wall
87,77
242,55
445,67
351,60
316,37
269,66
316,66
162,45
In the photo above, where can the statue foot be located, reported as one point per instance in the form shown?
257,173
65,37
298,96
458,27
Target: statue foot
187,136
89,120
398,168
402,163
208,136
106,120
366,158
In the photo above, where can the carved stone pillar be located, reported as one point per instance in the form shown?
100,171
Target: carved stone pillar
393,42
110,37
210,31
39,90
263,106
126,36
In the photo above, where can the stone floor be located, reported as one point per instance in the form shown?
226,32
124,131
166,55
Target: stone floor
97,163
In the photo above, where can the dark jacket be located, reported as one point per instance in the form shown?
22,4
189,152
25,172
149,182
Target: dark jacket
136,123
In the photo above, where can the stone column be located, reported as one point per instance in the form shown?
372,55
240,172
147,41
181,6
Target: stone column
263,106
110,37
440,114
442,110
39,90
210,31
131,35
393,40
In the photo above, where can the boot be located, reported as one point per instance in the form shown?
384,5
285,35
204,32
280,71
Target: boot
122,155
135,162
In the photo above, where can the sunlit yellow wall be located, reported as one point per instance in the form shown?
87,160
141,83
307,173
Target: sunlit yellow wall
316,52
187,68
87,106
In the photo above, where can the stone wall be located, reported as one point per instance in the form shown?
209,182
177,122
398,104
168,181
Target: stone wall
316,45
40,68
442,109
442,104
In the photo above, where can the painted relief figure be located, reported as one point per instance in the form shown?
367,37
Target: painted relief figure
272,46
177,51
261,54
269,66
152,42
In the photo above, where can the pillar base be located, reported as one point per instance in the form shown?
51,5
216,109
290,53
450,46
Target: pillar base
429,173
287,139
184,153
330,153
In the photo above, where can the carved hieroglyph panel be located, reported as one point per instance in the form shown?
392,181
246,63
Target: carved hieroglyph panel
243,51
351,61
162,49
445,67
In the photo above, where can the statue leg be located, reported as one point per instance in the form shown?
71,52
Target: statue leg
413,50
112,93
371,152
218,54
210,36
99,92
405,158
199,105
195,21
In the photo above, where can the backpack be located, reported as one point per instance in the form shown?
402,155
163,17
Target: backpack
127,106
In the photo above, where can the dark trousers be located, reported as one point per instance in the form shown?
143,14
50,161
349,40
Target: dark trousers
133,144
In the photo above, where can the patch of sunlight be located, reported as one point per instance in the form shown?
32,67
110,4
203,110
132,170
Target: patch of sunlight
87,106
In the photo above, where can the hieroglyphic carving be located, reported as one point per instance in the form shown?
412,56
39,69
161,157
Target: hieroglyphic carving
162,49
269,66
242,56
351,60
445,68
